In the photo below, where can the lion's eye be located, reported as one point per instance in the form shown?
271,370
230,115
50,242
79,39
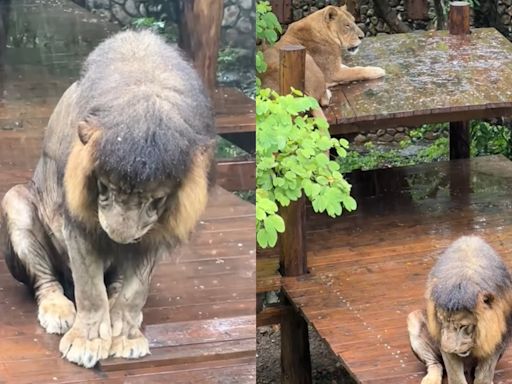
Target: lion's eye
468,329
102,191
158,203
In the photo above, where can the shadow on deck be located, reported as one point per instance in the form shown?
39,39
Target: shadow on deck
368,269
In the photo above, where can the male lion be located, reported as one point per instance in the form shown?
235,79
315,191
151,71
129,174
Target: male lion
324,34
122,179
467,321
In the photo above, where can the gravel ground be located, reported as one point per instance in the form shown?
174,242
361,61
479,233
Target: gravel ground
326,367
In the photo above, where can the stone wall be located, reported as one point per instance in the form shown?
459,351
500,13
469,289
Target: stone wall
370,22
238,28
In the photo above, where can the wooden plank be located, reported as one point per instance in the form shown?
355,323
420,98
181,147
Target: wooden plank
368,269
409,96
273,315
237,175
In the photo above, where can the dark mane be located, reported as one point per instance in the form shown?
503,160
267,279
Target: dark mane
466,269
150,104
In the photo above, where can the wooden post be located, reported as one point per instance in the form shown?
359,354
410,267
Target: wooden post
458,18
200,24
293,261
458,24
459,140
295,357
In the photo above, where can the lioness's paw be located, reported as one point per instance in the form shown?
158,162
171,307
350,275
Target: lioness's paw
56,313
374,72
86,346
130,348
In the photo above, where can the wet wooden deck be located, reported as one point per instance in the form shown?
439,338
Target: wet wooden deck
368,269
431,77
199,318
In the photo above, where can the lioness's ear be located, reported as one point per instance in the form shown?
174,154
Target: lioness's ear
487,298
86,130
330,13
344,8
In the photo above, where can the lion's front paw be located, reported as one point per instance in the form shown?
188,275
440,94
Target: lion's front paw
432,378
374,72
86,345
56,313
130,347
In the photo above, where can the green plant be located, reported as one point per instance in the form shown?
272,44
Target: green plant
291,158
149,23
488,139
267,29
291,150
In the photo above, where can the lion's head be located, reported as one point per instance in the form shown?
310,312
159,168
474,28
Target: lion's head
341,28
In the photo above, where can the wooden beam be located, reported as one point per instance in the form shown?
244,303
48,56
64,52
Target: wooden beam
273,315
237,175
199,28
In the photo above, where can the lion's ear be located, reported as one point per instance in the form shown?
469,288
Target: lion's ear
487,298
86,130
344,8
330,13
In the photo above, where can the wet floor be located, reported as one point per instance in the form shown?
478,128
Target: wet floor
432,70
46,43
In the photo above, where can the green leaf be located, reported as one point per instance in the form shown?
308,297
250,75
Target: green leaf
349,203
276,222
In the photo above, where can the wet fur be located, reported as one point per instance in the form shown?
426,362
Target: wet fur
144,120
469,276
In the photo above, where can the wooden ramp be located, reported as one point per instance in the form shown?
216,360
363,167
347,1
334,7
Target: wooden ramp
368,269
199,318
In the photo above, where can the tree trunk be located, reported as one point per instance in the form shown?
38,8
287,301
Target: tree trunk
385,11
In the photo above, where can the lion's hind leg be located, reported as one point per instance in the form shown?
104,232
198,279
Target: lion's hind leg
28,255
424,347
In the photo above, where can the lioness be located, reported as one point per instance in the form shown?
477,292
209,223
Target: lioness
324,34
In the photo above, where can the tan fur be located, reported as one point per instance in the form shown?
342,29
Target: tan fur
77,178
432,322
324,34
491,325
192,197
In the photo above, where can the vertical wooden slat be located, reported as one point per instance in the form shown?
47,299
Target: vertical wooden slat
292,62
295,356
200,36
458,24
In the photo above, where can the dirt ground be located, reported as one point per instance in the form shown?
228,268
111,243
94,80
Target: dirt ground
326,367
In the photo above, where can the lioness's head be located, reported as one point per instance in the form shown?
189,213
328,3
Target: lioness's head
342,28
